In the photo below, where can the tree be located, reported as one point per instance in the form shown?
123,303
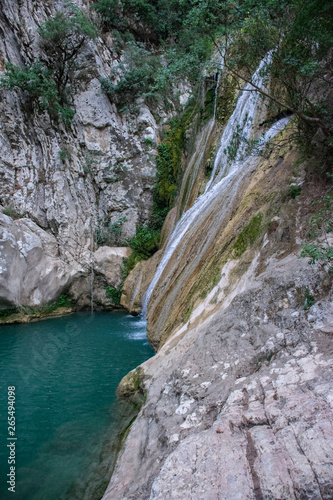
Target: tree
61,39
300,36
47,79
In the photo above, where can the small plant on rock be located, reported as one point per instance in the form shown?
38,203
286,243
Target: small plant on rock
319,247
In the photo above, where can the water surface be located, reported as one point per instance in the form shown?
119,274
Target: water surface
65,371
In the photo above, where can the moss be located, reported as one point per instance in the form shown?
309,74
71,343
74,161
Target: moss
248,236
188,313
209,104
210,280
11,212
169,165
226,103
132,389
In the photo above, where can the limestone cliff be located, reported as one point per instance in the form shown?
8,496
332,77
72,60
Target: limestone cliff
60,185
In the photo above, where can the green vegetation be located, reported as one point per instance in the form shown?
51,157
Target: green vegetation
169,166
47,81
11,212
116,172
248,236
318,248
108,232
151,75
114,293
300,38
64,155
309,299
6,313
295,191
61,38
64,301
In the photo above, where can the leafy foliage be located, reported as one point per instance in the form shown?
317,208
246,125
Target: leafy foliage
145,242
152,75
61,38
309,299
109,232
153,20
321,224
300,39
47,80
114,294
37,81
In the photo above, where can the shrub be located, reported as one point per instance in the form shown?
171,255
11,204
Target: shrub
109,232
145,243
320,225
114,294
62,38
64,155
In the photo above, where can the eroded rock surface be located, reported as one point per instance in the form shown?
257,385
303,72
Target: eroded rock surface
31,270
70,182
240,405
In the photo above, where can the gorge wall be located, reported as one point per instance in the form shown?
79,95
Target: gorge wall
238,398
60,185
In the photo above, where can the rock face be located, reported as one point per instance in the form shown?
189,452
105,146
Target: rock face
108,261
239,406
32,271
240,393
72,183
137,282
105,270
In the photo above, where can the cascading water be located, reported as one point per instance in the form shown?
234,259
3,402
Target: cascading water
222,187
202,145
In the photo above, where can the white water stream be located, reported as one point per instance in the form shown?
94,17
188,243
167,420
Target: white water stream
202,145
226,175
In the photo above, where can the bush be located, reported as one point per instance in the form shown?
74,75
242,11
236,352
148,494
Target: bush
114,294
146,19
145,243
62,38
320,224
37,81
109,232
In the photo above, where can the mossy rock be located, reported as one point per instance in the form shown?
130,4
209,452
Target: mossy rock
131,384
248,236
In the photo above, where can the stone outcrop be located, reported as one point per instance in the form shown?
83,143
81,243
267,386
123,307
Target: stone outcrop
105,270
32,271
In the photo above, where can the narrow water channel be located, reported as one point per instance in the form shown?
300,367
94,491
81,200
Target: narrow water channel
65,372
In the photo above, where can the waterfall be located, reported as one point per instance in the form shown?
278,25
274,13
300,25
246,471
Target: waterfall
205,136
243,116
226,176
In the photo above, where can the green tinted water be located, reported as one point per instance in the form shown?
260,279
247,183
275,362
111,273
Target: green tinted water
65,372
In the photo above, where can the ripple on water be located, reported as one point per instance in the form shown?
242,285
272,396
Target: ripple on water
66,371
